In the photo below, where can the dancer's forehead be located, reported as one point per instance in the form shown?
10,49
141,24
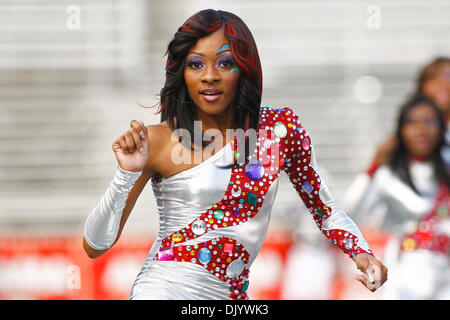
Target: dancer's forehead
212,45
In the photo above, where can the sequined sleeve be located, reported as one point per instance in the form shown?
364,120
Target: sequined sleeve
301,168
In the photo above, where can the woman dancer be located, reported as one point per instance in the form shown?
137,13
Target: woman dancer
434,82
214,212
409,199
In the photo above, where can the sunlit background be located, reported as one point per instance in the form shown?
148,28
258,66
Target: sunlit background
72,76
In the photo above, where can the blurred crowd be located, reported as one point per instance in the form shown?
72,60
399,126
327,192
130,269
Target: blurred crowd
402,198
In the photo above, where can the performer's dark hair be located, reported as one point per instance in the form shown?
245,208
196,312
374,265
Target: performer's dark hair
430,70
175,101
400,160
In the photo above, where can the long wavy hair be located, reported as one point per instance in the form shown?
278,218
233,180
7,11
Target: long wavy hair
175,101
400,159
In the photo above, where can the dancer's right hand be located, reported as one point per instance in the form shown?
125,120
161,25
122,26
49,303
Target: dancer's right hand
132,148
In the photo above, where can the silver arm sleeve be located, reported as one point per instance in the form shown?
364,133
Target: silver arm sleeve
102,224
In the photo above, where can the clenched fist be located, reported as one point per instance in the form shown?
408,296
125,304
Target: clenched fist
132,148
374,273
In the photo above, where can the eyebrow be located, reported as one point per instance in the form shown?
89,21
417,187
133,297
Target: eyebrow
223,48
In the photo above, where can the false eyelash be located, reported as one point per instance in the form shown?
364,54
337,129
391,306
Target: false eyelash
227,59
192,62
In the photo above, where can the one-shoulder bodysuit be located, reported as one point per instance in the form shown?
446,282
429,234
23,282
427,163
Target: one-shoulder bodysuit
213,217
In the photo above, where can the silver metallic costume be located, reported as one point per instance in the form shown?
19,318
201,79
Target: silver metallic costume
213,217
386,203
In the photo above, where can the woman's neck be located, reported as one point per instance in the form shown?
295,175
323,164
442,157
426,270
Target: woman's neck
222,121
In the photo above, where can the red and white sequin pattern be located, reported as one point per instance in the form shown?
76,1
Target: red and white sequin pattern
243,198
281,143
427,235
223,257
297,149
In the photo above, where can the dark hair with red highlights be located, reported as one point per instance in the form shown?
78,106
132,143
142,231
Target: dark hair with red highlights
175,101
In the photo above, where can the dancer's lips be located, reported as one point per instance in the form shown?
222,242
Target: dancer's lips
422,141
211,95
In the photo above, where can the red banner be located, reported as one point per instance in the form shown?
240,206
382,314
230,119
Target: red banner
58,268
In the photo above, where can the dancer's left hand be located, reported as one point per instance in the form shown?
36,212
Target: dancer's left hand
374,273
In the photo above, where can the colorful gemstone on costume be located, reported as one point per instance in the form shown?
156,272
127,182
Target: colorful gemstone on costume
165,254
305,144
177,237
442,211
319,212
252,198
245,286
204,255
235,268
198,227
218,215
236,192
236,212
280,129
307,187
409,244
254,169
348,243
228,247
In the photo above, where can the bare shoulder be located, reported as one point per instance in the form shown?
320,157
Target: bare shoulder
159,134
159,137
